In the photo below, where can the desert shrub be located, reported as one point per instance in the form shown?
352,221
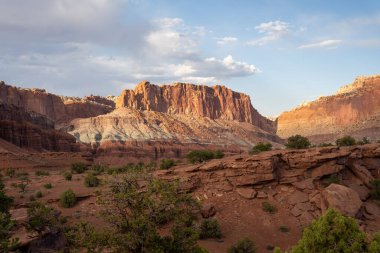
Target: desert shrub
10,172
199,156
243,246
374,246
67,175
5,201
210,228
268,207
78,168
325,144
48,186
277,250
270,247
284,229
334,179
218,154
137,230
6,225
375,188
297,142
23,185
332,232
345,141
41,173
91,180
363,141
98,169
40,218
166,164
260,147
68,199
39,194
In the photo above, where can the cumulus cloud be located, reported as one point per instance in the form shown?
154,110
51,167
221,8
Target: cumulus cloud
76,48
272,31
330,44
226,40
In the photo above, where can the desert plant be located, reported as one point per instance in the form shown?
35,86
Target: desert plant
277,250
166,164
374,246
98,169
39,194
40,218
243,246
67,175
210,228
91,180
42,173
334,179
345,141
218,154
363,141
6,225
48,186
78,168
5,201
260,147
297,142
199,156
332,232
10,172
23,185
375,188
68,199
325,144
268,207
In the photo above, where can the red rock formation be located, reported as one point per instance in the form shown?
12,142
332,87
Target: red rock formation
32,130
354,110
217,102
59,109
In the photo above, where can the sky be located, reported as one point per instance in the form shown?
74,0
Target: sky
280,52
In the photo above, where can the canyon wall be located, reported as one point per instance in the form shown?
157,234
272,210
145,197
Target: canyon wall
217,102
353,110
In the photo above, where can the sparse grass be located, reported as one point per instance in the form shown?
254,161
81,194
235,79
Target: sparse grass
91,180
166,164
345,141
10,172
41,173
268,207
39,194
48,186
78,168
243,246
210,228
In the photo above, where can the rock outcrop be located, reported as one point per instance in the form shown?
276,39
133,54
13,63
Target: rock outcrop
32,130
59,109
353,110
217,102
290,178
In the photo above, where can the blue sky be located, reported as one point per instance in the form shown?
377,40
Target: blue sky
281,53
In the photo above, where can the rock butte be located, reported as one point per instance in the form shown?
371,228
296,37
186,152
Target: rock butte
353,110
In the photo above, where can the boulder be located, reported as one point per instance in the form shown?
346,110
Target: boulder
341,198
208,210
247,193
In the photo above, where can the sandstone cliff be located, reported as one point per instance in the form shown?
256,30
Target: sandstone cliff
217,102
32,130
59,109
354,110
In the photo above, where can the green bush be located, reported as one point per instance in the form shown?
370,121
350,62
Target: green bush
39,194
91,180
48,186
375,188
41,173
374,246
67,175
364,141
334,179
68,199
199,156
268,207
166,164
10,172
98,169
40,218
332,232
260,147
325,144
78,168
243,246
210,229
284,229
5,201
297,142
345,141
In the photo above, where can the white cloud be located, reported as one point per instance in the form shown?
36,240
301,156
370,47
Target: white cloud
330,44
226,40
272,31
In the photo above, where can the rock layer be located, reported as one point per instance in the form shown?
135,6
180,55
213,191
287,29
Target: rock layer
217,102
353,110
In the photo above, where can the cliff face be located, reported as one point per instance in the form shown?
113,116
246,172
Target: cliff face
216,102
32,130
59,109
354,110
